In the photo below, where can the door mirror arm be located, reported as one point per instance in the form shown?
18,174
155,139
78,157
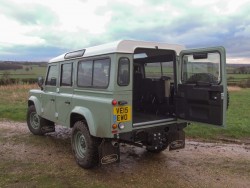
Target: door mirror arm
40,81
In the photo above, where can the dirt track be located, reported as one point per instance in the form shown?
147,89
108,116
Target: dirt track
198,165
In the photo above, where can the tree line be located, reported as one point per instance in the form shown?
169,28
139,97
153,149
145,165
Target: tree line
8,66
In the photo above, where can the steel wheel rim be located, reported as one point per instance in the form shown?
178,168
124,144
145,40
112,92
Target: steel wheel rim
34,120
80,144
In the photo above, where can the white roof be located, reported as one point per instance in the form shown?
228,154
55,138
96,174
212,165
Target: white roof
123,46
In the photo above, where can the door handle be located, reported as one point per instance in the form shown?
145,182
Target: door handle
67,102
52,100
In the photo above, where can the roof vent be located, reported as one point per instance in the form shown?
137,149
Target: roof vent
74,54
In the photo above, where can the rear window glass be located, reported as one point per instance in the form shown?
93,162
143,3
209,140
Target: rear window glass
201,69
123,72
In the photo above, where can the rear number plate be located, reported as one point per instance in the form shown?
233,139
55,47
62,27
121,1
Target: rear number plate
122,113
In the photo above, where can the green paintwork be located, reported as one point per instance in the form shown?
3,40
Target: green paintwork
60,104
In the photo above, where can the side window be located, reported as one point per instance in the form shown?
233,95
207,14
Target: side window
66,74
93,73
123,71
52,76
101,73
85,73
201,67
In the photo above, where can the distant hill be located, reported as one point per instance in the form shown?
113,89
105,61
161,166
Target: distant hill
40,63
10,66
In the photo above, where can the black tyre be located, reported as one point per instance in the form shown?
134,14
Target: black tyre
38,125
34,121
84,146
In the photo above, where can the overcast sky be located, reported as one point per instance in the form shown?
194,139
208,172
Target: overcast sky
34,30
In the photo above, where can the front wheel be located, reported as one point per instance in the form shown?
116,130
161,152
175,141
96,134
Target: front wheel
36,124
84,146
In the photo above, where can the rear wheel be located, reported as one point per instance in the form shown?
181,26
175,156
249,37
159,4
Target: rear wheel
84,146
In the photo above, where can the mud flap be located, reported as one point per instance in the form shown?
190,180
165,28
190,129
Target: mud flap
177,140
108,152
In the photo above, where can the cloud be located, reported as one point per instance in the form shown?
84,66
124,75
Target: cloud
74,24
29,14
36,53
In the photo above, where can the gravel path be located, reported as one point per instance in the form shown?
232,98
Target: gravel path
198,165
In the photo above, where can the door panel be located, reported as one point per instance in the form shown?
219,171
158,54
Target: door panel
201,95
65,92
48,105
200,103
64,104
49,95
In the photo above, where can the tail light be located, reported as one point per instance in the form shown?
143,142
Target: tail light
114,102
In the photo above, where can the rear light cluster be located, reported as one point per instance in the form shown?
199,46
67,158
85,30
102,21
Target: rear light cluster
120,125
114,126
114,102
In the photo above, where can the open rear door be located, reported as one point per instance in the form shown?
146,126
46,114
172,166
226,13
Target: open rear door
202,89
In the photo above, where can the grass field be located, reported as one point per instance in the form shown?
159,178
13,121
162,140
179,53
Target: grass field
238,120
13,100
238,76
33,72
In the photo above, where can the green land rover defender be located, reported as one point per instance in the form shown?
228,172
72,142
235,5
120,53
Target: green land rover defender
134,92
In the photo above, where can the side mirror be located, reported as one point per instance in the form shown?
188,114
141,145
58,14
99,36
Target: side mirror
40,82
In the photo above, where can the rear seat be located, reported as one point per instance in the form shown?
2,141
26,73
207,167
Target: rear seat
149,94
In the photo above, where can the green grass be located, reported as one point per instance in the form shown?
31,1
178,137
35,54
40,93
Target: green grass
238,76
22,73
13,100
238,120
34,174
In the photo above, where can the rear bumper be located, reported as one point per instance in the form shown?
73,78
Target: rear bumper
165,134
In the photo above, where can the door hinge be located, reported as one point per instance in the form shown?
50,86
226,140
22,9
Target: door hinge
222,96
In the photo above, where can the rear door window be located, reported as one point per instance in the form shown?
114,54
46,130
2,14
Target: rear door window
66,74
201,67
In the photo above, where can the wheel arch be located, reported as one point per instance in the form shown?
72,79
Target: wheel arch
35,101
84,114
